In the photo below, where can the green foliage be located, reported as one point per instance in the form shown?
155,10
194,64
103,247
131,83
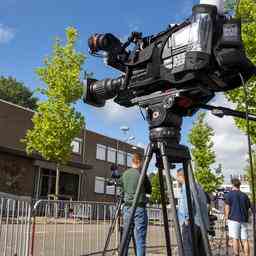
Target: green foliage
56,122
200,138
203,154
155,197
62,71
16,92
247,12
209,181
55,126
248,173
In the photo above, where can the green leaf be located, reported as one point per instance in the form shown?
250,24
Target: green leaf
56,123
203,155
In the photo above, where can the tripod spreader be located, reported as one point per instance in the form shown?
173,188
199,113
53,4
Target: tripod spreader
222,111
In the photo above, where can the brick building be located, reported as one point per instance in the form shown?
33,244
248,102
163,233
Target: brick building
83,178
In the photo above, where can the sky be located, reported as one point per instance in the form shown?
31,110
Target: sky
28,30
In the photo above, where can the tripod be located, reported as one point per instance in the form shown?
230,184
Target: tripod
164,130
115,220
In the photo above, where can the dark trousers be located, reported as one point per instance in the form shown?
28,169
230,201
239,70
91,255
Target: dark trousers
187,241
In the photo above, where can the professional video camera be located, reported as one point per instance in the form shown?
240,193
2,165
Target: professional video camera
171,75
182,66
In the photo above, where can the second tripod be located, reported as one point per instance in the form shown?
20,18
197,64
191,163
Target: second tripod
116,221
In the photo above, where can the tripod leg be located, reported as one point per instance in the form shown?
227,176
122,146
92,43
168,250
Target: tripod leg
165,214
134,244
166,165
203,226
190,209
127,227
112,227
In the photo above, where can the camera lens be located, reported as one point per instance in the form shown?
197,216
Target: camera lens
97,92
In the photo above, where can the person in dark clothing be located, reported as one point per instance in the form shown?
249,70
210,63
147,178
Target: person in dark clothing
129,182
185,223
237,205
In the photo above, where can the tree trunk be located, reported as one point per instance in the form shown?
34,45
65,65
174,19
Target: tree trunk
57,182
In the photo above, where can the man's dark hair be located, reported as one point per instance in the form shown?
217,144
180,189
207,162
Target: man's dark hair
236,182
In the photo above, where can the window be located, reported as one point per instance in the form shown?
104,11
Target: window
129,159
101,152
99,185
111,155
48,180
110,190
121,157
76,145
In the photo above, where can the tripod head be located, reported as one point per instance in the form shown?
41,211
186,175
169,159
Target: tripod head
165,111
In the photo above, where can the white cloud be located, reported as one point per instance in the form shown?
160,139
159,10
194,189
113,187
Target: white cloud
114,113
230,144
6,34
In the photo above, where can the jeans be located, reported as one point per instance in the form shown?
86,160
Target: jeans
187,240
139,227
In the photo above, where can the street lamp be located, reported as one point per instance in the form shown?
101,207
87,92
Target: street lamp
131,138
125,129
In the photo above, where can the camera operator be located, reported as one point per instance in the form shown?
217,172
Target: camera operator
129,181
183,215
237,205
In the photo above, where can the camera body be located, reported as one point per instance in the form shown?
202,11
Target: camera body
188,62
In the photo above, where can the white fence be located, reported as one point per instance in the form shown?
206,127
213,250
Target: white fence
15,220
69,228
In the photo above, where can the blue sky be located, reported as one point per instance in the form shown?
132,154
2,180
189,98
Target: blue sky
28,29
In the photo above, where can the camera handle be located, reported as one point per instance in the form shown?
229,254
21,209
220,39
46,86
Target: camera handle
222,111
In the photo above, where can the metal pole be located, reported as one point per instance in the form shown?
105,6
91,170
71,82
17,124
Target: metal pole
190,209
57,182
166,165
38,182
127,227
165,214
252,174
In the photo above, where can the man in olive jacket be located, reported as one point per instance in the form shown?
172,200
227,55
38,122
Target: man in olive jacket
129,182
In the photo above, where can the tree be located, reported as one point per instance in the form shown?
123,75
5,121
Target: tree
16,92
155,197
248,173
56,122
247,12
203,155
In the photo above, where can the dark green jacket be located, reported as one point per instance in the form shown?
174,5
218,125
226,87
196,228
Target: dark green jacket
129,182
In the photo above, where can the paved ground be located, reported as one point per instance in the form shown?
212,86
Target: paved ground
76,239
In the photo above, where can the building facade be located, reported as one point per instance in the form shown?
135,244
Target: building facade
85,177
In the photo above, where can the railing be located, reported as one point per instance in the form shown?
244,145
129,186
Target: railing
81,228
71,228
15,220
